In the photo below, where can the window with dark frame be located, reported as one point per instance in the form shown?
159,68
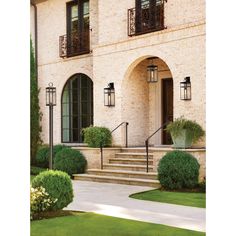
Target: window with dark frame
77,108
78,27
147,16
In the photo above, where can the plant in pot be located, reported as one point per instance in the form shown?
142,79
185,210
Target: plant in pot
184,132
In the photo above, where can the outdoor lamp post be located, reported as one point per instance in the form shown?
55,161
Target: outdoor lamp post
109,95
152,72
50,101
185,89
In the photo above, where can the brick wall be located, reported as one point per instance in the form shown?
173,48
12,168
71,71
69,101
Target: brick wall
181,47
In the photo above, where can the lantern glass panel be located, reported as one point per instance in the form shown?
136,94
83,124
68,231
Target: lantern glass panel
47,96
112,97
188,92
51,96
54,97
109,97
152,74
185,91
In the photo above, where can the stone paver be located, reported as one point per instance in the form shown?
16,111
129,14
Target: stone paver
113,200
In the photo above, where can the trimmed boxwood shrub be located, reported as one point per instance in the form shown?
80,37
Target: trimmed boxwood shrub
202,185
94,136
70,161
58,185
42,157
178,169
34,170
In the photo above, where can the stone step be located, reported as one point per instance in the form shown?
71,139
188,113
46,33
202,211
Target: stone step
135,150
151,149
132,161
133,155
128,167
123,173
118,180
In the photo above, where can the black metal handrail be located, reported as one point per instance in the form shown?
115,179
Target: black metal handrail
126,131
101,150
126,140
147,141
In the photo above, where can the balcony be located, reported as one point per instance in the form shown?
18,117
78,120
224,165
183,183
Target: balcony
74,45
146,19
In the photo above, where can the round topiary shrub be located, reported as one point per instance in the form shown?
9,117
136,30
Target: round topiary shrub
94,136
58,185
178,169
70,161
42,157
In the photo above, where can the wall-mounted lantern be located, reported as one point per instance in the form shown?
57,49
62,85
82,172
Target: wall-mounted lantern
152,71
50,101
109,95
185,89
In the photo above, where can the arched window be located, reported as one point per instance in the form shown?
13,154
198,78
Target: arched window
77,107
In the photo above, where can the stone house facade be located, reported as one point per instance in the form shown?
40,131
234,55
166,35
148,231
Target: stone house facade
84,45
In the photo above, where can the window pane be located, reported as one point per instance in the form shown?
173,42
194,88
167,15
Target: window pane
84,108
86,14
66,135
86,8
65,109
65,121
84,82
84,94
75,124
65,98
74,12
75,96
145,4
75,109
85,121
75,135
74,19
158,2
74,84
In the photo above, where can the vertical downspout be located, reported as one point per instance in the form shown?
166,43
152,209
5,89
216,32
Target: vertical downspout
36,38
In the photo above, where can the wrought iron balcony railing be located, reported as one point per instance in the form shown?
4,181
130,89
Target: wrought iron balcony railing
74,45
146,19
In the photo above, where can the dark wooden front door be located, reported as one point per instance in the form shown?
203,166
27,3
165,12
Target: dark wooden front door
167,107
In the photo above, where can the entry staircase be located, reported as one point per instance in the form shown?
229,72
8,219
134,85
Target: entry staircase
127,167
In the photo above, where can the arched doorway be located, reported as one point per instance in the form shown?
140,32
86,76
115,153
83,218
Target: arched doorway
76,107
148,105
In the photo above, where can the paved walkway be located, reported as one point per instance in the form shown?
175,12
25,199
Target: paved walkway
113,200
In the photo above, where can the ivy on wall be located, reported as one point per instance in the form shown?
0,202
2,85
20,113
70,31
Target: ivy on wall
35,114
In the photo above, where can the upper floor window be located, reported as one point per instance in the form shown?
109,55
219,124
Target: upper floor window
76,41
147,16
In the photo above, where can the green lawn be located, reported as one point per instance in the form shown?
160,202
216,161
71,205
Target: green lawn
90,224
179,198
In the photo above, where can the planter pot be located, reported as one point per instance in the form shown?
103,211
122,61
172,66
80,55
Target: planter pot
183,140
